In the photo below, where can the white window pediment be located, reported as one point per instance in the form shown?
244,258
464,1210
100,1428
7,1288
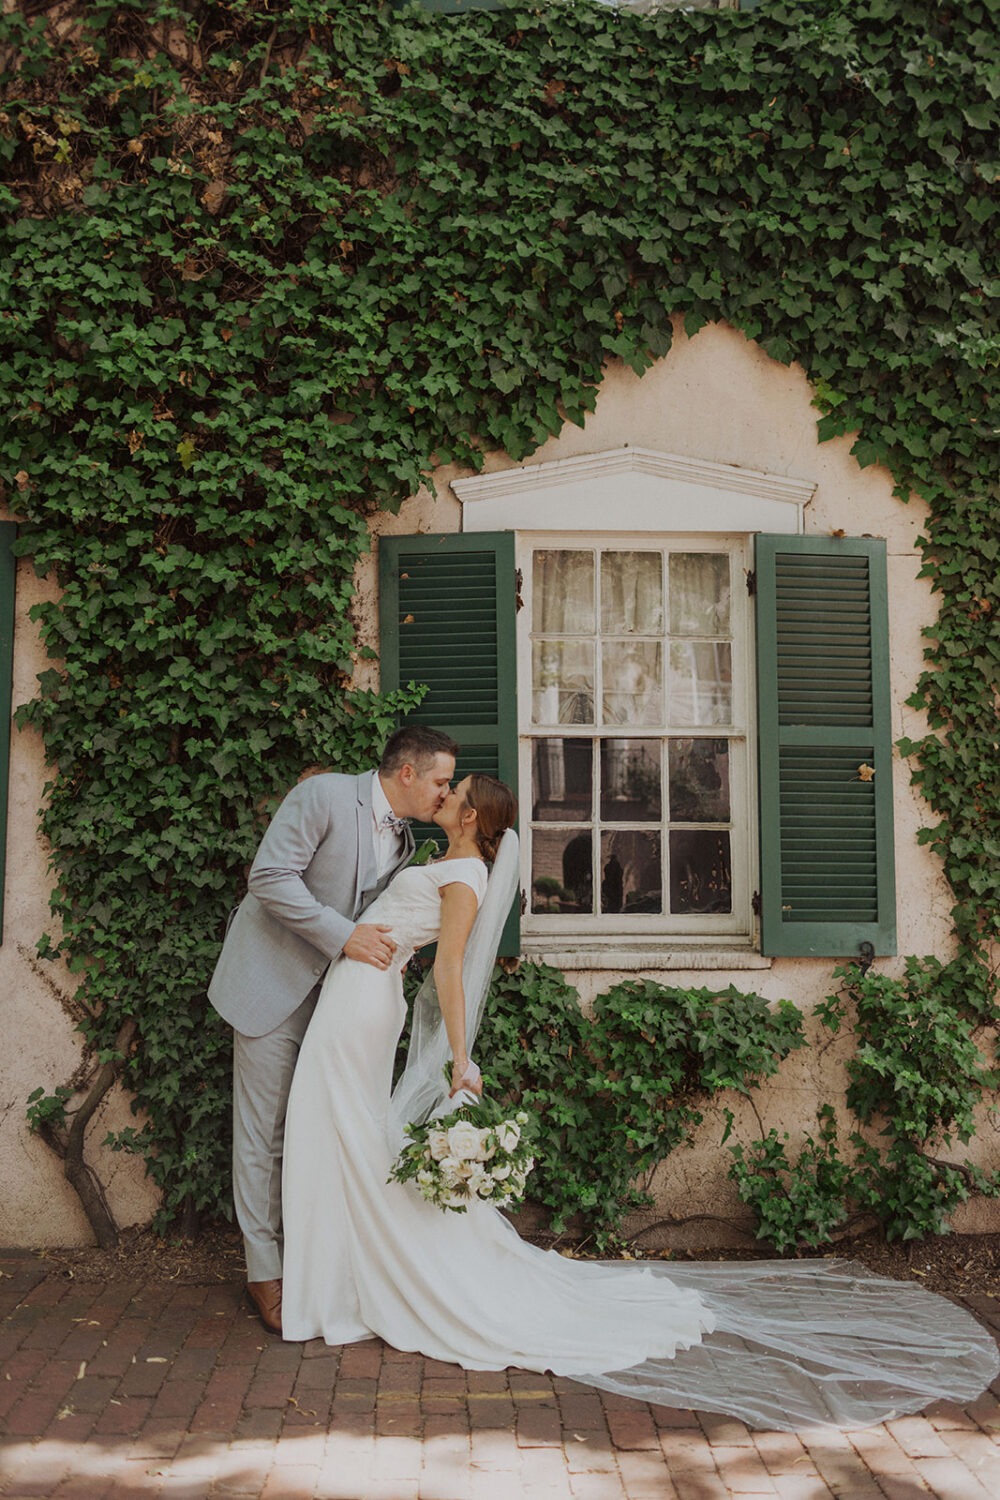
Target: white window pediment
635,490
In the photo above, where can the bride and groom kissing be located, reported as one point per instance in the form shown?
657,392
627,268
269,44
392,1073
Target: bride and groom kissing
333,846
310,977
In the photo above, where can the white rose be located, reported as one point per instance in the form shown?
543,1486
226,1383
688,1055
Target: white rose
437,1144
464,1141
501,1173
508,1135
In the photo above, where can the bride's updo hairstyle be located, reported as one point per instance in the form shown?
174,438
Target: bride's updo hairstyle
495,807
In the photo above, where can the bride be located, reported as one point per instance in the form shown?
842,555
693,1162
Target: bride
778,1344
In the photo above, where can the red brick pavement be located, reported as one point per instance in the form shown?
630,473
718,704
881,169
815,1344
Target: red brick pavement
160,1391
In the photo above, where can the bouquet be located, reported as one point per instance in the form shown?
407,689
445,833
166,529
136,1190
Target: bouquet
479,1151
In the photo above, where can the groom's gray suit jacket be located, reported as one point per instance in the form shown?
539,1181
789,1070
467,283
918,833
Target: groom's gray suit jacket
314,874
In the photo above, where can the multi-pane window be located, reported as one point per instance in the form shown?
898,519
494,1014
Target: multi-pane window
634,739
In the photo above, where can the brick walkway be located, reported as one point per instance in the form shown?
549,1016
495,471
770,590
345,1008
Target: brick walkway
118,1390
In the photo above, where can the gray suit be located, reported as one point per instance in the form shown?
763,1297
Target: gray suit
314,873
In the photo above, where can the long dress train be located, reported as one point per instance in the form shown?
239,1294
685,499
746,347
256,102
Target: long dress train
779,1344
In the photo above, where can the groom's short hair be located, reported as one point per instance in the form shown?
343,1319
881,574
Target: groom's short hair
415,745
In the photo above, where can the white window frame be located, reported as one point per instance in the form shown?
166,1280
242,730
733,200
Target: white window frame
653,497
619,929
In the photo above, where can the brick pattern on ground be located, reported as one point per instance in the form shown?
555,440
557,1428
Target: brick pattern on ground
157,1391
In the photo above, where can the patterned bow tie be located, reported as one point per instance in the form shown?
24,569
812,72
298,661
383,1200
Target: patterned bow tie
390,823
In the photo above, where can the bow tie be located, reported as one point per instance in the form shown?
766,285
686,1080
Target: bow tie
390,823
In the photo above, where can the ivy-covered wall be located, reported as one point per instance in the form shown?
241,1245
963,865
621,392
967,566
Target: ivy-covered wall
263,267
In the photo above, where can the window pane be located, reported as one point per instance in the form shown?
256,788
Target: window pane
699,781
700,871
630,781
563,598
562,676
699,593
562,780
701,686
631,593
631,881
633,682
561,874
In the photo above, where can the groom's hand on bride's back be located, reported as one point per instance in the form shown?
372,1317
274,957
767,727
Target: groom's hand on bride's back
370,943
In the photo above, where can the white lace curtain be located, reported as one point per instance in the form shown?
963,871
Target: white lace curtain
620,609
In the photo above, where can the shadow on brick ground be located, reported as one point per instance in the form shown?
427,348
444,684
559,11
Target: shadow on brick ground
131,1389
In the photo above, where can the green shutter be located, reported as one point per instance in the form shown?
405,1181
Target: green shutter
827,879
8,566
447,606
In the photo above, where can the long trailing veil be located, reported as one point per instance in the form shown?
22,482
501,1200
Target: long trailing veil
793,1343
422,1087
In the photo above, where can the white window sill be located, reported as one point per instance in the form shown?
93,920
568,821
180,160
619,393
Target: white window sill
640,958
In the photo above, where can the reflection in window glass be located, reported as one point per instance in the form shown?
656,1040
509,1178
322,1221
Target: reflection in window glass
701,682
699,593
562,780
630,781
634,748
699,781
561,871
631,593
633,682
700,871
631,879
563,599
562,678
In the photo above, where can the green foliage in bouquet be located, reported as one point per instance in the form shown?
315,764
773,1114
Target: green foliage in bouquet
481,1151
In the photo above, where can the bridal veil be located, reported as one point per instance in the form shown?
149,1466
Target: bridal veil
794,1343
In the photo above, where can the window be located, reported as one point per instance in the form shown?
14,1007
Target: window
633,745
697,723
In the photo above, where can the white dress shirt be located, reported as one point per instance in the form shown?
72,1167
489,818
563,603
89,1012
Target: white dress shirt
388,844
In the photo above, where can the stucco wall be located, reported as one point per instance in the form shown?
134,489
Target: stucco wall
715,397
41,1047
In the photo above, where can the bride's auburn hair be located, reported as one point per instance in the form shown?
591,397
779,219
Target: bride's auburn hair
495,807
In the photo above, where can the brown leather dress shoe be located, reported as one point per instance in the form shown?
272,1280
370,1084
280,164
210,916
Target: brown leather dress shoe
266,1299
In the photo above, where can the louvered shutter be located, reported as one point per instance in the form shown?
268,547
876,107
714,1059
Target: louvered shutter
8,566
827,880
447,619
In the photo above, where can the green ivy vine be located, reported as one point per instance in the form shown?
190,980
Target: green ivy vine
265,266
918,1077
617,1092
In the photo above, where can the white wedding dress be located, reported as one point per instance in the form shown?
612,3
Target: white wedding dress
779,1344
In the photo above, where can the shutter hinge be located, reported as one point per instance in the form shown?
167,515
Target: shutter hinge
755,903
524,903
518,585
751,578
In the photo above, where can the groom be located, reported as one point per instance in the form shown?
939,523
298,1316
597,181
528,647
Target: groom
333,845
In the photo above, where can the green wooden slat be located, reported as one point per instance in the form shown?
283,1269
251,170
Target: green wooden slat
8,568
446,613
827,879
